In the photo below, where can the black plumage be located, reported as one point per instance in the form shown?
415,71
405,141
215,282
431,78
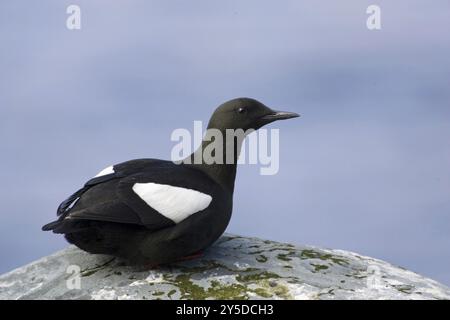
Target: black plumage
107,215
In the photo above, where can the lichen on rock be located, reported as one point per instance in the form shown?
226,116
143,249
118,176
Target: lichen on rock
233,268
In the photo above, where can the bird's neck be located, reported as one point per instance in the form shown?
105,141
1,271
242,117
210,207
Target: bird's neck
217,157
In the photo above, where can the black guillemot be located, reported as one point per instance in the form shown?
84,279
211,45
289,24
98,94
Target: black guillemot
151,211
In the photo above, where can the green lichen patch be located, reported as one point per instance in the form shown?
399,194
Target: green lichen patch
319,267
262,293
90,271
207,265
261,258
282,292
404,288
171,293
312,254
254,277
246,282
190,290
283,257
329,292
287,249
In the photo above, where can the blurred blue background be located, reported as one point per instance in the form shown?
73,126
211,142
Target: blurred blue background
366,168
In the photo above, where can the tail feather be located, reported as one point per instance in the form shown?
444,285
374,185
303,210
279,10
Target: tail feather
67,225
70,201
63,211
52,225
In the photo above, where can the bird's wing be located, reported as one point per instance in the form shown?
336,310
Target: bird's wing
86,201
155,195
165,195
67,204
110,173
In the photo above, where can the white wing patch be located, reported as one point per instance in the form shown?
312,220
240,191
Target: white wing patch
105,171
172,202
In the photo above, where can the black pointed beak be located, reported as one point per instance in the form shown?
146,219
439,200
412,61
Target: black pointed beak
279,115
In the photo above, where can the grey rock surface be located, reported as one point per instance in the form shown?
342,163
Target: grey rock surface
234,268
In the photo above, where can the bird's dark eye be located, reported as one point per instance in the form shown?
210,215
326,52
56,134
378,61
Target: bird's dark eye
241,110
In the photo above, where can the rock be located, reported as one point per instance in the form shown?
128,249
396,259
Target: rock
234,268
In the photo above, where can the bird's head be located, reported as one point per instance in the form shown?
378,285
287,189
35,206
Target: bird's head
245,113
